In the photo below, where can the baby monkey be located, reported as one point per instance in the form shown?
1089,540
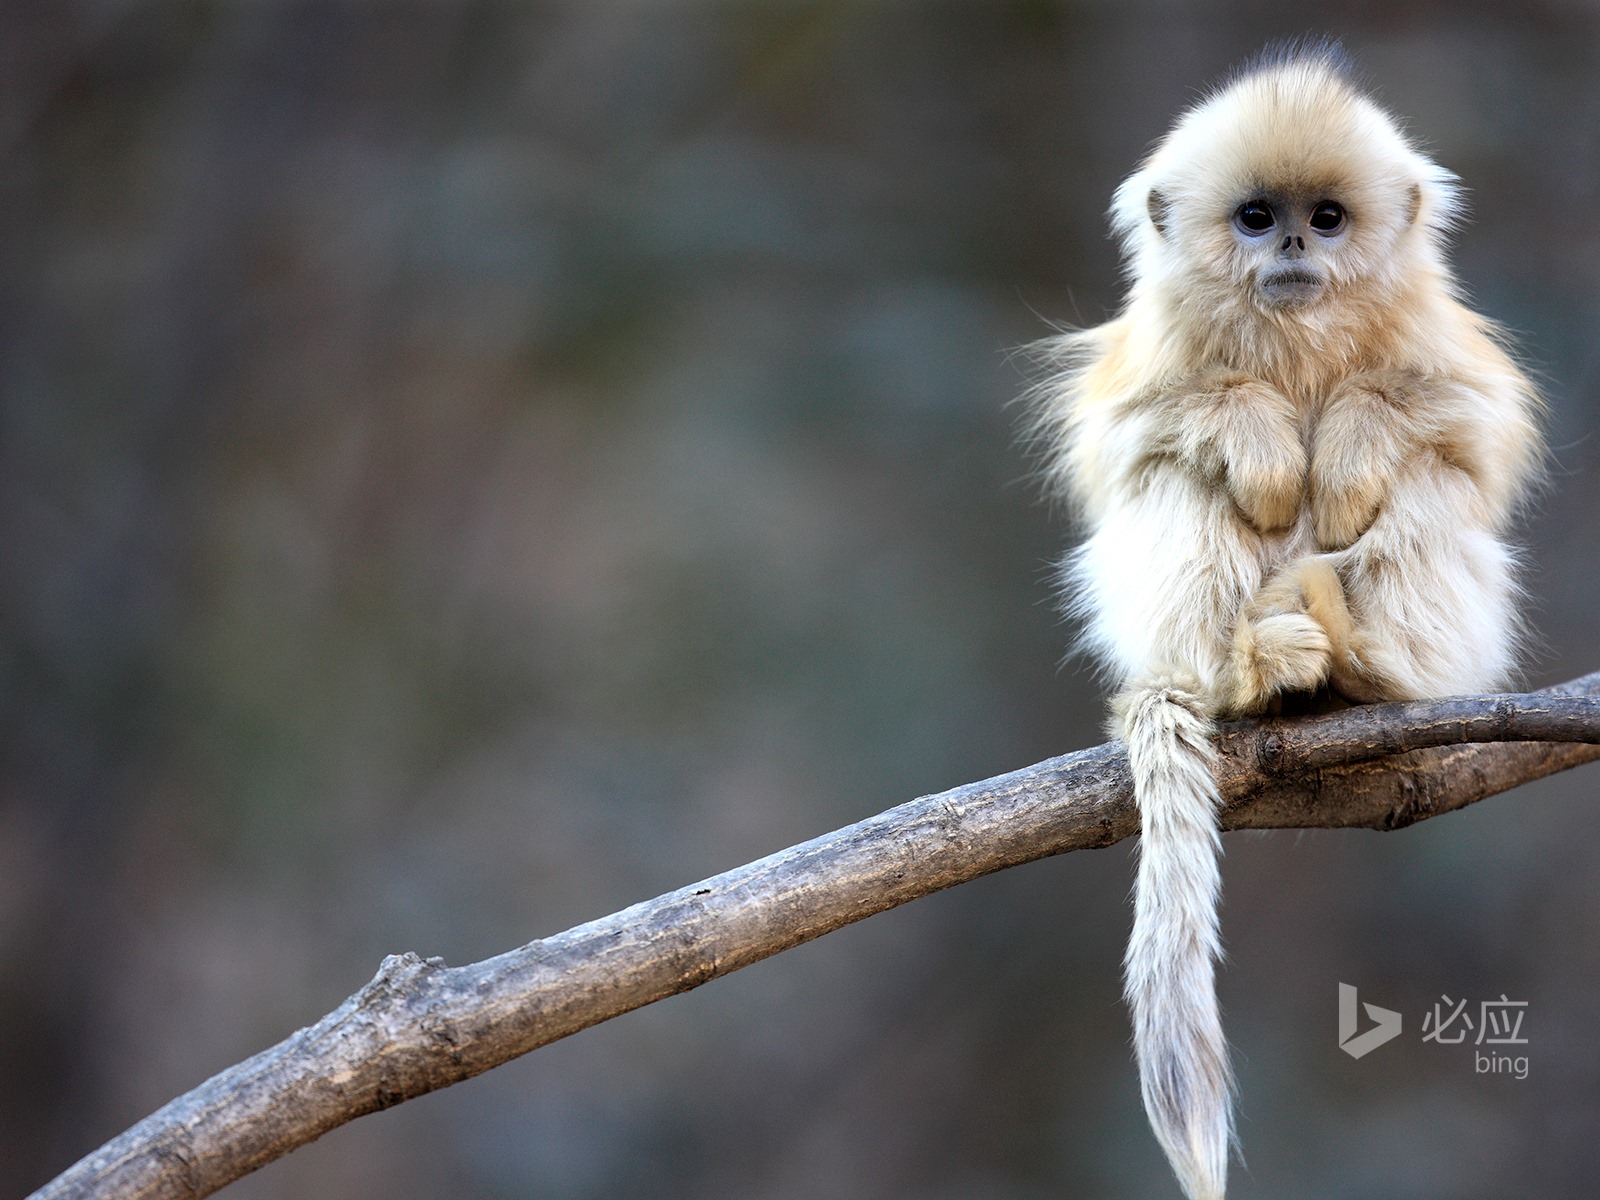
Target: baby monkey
1296,453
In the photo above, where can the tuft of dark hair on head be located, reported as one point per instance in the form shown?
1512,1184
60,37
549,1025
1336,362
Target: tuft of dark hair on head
1308,49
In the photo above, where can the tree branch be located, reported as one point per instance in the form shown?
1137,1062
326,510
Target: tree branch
420,1025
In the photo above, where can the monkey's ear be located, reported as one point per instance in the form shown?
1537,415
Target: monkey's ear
1415,209
1157,204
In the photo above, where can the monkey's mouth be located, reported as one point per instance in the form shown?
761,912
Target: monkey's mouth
1291,288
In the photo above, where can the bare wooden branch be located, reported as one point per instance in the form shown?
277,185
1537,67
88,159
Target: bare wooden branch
420,1025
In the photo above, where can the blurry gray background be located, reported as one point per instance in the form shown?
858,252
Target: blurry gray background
467,468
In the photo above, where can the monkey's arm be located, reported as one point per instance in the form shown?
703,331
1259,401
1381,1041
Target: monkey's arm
1378,425
1238,433
1368,426
1412,480
1191,479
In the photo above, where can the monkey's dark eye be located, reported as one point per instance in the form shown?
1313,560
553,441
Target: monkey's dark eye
1254,218
1327,217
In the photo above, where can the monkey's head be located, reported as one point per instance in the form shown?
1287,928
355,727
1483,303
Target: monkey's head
1285,192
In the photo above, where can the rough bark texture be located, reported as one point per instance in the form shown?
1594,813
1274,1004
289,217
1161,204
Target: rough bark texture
420,1025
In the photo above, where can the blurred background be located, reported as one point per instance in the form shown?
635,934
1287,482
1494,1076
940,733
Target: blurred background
465,468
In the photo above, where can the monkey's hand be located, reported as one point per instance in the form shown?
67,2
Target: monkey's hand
1287,636
1367,428
1246,436
1297,633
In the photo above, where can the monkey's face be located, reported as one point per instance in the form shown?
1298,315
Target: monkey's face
1287,196
1288,243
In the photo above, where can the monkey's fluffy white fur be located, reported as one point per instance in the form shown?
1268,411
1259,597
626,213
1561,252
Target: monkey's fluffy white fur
1295,454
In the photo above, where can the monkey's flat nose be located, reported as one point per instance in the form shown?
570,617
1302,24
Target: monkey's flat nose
1293,245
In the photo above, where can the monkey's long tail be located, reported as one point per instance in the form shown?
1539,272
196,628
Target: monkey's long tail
1170,966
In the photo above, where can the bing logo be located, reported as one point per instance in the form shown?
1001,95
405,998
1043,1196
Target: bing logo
1386,1029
